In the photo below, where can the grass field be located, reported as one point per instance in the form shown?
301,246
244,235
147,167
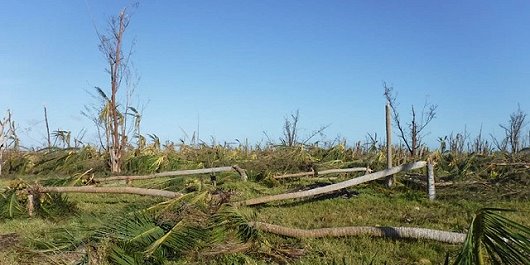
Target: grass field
365,205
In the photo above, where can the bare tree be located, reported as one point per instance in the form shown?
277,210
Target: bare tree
7,136
112,116
63,137
290,130
291,135
413,135
514,129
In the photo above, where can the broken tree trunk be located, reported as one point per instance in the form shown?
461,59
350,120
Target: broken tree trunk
336,186
31,205
375,231
389,179
430,181
239,170
120,190
324,172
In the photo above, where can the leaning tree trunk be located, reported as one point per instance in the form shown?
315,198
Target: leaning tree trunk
336,186
325,172
375,231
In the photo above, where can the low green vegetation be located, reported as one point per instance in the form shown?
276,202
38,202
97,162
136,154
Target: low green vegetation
203,228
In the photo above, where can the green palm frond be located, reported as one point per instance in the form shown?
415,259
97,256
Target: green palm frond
169,204
102,94
120,256
138,230
9,204
231,217
60,239
56,204
181,237
503,240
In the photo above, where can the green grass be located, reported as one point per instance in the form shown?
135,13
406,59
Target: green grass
376,206
364,205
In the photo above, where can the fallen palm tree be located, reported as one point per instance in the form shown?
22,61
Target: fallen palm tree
325,172
119,190
236,168
35,192
374,231
336,186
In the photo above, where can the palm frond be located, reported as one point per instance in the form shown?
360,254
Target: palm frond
56,204
179,238
231,217
503,240
118,255
138,230
9,204
102,93
60,239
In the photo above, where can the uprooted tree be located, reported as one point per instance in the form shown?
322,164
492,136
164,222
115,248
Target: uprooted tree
413,134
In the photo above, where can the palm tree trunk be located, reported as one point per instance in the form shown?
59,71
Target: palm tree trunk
178,173
120,190
336,186
374,231
324,172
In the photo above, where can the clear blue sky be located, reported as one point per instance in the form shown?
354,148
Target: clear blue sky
242,66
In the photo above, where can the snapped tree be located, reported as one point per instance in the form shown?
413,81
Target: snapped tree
414,134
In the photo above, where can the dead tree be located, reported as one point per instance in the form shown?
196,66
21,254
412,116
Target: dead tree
413,135
7,136
291,135
514,129
290,130
115,121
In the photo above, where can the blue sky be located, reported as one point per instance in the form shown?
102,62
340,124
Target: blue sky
242,66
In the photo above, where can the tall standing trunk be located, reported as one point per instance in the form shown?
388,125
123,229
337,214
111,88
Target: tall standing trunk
414,135
1,161
116,71
6,132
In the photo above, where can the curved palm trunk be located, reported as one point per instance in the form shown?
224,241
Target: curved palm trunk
336,186
375,231
120,190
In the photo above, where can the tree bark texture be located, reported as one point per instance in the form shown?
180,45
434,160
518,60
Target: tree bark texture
430,181
178,173
374,231
119,190
389,179
336,186
324,172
